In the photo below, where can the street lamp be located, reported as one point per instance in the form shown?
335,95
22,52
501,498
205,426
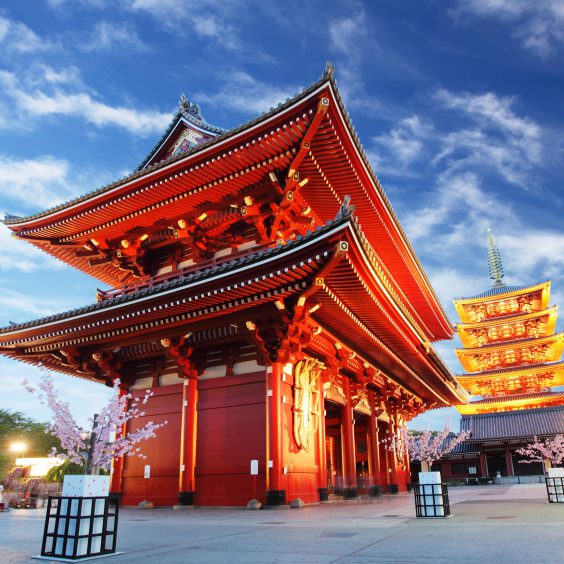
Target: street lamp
18,447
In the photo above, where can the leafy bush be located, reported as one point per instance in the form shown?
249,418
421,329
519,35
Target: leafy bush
57,473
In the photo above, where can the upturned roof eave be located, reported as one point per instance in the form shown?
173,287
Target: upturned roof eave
517,291
141,172
143,292
505,319
513,370
443,327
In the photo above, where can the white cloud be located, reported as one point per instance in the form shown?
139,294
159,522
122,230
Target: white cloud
497,140
528,250
21,256
211,19
42,181
14,303
457,203
492,110
211,27
403,144
245,93
16,37
55,94
538,24
345,34
451,283
29,184
108,36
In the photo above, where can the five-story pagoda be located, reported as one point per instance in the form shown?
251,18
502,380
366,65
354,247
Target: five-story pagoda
512,357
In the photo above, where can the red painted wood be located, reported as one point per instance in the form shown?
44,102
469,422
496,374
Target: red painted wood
162,453
231,433
117,463
275,427
347,432
189,435
373,450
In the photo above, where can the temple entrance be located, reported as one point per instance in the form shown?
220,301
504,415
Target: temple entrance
333,448
496,462
525,468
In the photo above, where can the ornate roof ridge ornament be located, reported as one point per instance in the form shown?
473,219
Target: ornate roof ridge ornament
191,108
346,210
494,261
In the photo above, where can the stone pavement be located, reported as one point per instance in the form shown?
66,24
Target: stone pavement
509,523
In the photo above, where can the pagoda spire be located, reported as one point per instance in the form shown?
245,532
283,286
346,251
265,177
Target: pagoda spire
494,261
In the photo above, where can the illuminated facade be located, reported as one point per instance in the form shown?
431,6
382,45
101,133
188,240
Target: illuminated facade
262,287
512,357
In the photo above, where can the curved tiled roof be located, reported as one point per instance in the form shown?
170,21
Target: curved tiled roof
181,280
189,113
498,290
10,220
521,368
513,343
514,424
518,397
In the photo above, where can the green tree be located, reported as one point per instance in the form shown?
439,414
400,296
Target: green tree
17,427
57,473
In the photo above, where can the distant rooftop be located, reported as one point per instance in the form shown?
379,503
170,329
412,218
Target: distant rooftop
514,424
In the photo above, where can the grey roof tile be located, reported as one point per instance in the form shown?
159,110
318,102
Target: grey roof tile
514,424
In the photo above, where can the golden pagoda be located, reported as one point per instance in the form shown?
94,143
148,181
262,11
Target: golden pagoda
510,349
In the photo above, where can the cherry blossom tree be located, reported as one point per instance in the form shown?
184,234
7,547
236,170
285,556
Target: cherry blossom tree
95,448
551,449
428,446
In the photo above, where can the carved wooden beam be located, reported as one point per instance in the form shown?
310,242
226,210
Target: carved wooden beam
179,349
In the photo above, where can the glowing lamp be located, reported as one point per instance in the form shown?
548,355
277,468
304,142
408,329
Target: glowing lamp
18,447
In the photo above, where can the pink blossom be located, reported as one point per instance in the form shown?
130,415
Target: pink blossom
106,440
427,446
548,449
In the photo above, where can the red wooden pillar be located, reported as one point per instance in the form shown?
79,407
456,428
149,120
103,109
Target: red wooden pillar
373,453
348,445
117,463
322,449
276,494
384,462
509,462
187,476
392,468
483,464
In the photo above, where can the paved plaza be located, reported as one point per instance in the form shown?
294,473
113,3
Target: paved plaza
512,523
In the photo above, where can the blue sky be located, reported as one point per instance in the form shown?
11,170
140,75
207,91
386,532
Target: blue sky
458,104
